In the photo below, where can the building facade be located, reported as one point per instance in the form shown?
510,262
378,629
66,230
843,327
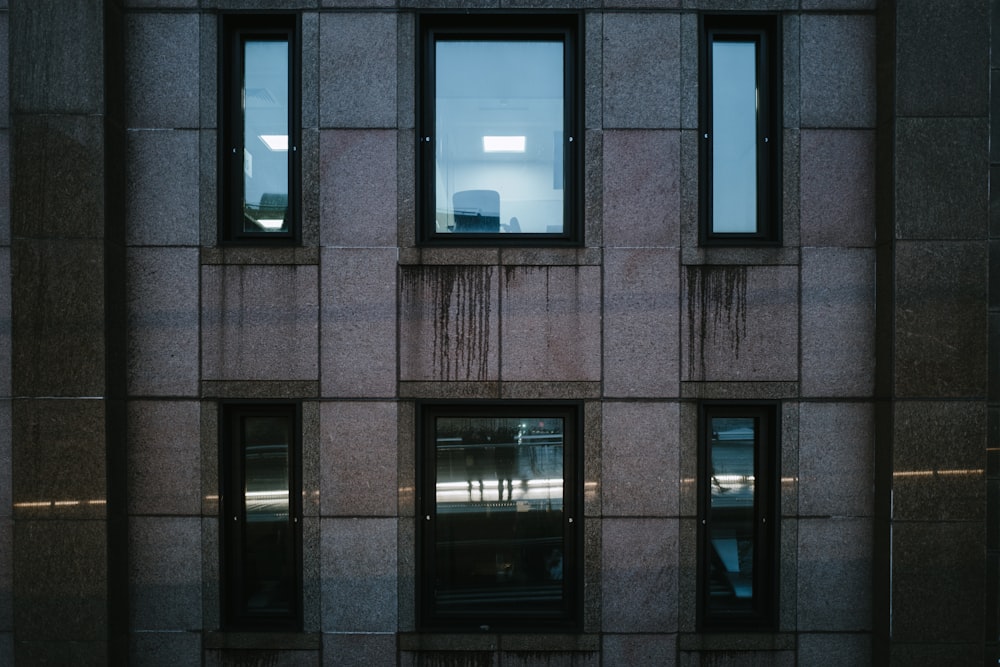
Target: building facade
279,383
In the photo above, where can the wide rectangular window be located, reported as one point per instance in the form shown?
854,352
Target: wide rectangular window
260,521
499,516
259,133
738,515
740,131
499,141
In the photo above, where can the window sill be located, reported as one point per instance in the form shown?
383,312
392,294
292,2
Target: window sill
738,255
737,641
290,641
489,641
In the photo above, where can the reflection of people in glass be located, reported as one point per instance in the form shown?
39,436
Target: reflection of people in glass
505,461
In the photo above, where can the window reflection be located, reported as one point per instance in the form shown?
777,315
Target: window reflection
734,136
499,136
499,542
265,136
731,521
268,554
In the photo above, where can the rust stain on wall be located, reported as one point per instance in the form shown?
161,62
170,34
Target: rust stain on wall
716,311
459,301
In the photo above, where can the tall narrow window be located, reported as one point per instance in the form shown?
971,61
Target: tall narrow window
261,507
499,139
259,136
499,517
738,515
740,131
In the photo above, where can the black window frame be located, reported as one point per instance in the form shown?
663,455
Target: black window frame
764,29
567,619
234,613
566,26
234,30
763,614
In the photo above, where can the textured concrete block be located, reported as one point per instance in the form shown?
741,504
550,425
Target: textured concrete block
450,323
740,323
357,70
837,187
162,70
165,573
164,457
640,459
838,322
938,583
641,188
162,321
818,650
358,322
5,322
642,70
359,650
942,178
162,188
358,459
658,649
58,459
359,575
938,459
834,574
639,556
5,188
6,576
358,188
942,47
838,91
56,57
57,190
60,591
164,649
260,323
941,319
641,322
835,459
551,323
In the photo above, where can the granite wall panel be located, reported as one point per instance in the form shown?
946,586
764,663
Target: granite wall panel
162,316
641,188
836,465
358,322
162,70
450,323
358,459
162,188
165,573
940,318
260,322
639,475
740,323
551,323
838,70
834,574
358,188
641,70
640,556
838,322
363,94
358,574
837,188
641,320
164,457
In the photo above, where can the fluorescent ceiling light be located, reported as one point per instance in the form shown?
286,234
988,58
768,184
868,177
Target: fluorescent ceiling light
270,224
503,144
276,142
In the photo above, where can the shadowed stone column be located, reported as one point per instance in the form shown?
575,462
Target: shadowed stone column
67,300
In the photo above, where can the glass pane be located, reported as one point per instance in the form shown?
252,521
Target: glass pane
499,492
734,136
268,556
499,137
731,522
265,136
